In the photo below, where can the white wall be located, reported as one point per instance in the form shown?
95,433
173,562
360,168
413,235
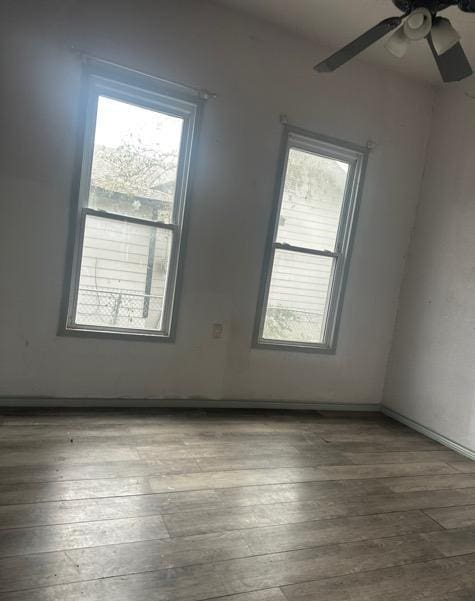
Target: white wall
258,72
431,375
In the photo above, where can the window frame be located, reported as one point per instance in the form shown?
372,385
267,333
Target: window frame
356,156
123,84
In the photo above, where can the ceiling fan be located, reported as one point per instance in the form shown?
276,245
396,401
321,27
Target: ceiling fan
420,20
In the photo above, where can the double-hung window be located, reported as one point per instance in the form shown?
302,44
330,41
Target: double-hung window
309,243
132,193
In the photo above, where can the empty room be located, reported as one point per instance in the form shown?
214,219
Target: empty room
237,260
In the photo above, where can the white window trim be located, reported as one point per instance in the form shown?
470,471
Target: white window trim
146,91
356,157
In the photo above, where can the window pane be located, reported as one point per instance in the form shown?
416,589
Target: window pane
297,298
312,198
135,160
123,274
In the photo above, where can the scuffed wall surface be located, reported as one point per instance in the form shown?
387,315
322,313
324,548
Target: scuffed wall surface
431,375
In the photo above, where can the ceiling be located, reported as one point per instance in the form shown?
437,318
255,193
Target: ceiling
334,23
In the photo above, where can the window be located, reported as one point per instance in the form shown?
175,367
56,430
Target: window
307,257
132,192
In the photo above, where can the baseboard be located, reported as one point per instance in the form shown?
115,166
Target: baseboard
23,402
198,403
407,421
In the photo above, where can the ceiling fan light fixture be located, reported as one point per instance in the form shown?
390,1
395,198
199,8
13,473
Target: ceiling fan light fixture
398,43
444,36
418,24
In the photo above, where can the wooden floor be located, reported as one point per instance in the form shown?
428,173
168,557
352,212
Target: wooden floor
235,506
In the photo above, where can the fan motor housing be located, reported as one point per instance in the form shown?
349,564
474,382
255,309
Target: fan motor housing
434,6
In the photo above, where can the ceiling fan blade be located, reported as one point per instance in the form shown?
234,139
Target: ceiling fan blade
453,64
356,46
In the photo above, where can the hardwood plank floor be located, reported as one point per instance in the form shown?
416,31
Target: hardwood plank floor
439,580
454,517
230,505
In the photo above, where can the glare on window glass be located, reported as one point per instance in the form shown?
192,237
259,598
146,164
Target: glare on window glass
312,198
135,160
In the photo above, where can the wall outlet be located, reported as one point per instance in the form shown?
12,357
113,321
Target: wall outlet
217,331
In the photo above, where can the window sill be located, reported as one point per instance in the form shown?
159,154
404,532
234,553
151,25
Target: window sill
85,332
274,345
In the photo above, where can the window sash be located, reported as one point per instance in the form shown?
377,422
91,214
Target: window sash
285,343
356,157
186,109
147,100
169,280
